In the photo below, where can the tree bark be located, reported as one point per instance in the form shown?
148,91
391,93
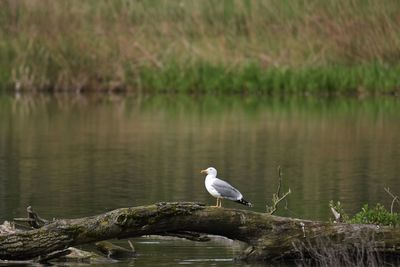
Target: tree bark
269,237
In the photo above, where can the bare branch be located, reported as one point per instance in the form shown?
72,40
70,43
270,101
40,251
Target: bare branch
53,255
277,197
395,199
189,235
33,219
131,245
113,251
278,191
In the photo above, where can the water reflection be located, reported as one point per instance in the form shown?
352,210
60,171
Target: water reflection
71,156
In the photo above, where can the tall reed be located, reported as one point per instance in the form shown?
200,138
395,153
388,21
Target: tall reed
206,45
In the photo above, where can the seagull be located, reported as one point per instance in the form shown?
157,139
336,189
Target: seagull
221,189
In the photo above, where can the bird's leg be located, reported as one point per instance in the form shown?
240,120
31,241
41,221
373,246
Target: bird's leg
216,205
220,203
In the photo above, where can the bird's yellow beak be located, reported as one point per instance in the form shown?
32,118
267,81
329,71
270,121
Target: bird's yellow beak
203,171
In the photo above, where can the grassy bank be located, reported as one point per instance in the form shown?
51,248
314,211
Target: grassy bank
201,46
252,78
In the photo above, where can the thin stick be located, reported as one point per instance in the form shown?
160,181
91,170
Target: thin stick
395,199
276,197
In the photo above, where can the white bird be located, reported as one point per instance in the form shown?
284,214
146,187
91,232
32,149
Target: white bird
221,189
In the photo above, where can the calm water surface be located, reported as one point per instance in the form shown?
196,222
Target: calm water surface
73,155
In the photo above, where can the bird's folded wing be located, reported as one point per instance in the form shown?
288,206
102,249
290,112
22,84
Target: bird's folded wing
226,190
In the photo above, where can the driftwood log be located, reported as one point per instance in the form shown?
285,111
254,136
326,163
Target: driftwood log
115,252
268,237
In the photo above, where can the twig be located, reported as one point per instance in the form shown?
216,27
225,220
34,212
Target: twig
27,220
391,206
113,251
395,199
276,197
34,220
131,245
278,191
189,235
53,255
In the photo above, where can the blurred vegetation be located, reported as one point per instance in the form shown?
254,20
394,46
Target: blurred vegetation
271,46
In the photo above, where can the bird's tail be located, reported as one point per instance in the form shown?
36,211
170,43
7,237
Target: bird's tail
244,202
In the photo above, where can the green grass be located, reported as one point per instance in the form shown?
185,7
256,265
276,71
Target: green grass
252,78
216,46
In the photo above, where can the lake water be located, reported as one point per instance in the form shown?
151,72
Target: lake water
74,155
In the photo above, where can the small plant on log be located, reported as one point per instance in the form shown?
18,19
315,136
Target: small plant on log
376,215
368,215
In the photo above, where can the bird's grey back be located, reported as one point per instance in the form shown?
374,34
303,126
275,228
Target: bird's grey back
226,190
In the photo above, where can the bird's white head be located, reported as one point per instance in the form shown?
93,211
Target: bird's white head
210,171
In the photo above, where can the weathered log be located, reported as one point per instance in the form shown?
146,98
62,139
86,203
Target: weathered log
269,237
113,251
